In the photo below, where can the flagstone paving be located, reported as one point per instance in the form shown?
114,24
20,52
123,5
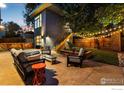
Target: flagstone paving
92,73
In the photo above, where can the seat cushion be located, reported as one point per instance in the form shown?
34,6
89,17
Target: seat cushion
46,51
27,67
49,56
22,57
81,52
18,52
32,53
33,57
74,60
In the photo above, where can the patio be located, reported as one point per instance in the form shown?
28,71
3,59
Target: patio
92,73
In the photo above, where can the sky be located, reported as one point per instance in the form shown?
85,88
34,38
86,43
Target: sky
13,12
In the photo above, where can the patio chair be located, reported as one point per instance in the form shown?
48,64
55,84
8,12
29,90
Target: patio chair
76,59
46,50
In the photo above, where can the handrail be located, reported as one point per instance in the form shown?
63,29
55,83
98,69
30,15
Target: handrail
63,42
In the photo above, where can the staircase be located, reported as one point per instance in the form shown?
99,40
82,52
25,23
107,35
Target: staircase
60,46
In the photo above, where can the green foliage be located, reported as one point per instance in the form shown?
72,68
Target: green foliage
81,16
84,17
113,13
71,45
104,56
29,7
11,28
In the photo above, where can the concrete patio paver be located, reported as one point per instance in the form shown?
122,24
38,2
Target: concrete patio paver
8,73
90,74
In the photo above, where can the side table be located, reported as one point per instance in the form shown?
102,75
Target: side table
39,73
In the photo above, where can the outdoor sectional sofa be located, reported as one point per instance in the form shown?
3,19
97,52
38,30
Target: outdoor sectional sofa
24,60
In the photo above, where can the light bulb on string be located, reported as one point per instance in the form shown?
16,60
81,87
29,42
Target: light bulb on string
102,31
115,28
110,29
113,33
119,26
120,30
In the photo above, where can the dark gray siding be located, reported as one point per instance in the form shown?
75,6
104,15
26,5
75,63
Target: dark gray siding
54,29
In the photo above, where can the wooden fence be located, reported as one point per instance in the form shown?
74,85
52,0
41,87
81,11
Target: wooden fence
16,45
12,40
113,42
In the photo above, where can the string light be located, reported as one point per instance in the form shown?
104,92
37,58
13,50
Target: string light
119,26
110,29
109,33
120,30
114,28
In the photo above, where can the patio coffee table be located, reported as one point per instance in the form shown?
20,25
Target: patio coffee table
51,58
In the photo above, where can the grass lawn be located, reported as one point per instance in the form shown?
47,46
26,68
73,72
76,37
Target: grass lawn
104,56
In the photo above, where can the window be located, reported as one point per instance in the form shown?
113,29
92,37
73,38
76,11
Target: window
38,40
38,21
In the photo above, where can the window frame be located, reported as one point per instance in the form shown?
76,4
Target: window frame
38,21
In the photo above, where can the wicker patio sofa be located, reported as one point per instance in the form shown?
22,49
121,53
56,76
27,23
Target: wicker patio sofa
24,60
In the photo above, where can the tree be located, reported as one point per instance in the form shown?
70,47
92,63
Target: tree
29,7
84,17
81,16
11,28
111,14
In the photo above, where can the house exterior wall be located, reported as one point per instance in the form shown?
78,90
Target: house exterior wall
51,31
43,30
54,29
38,31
